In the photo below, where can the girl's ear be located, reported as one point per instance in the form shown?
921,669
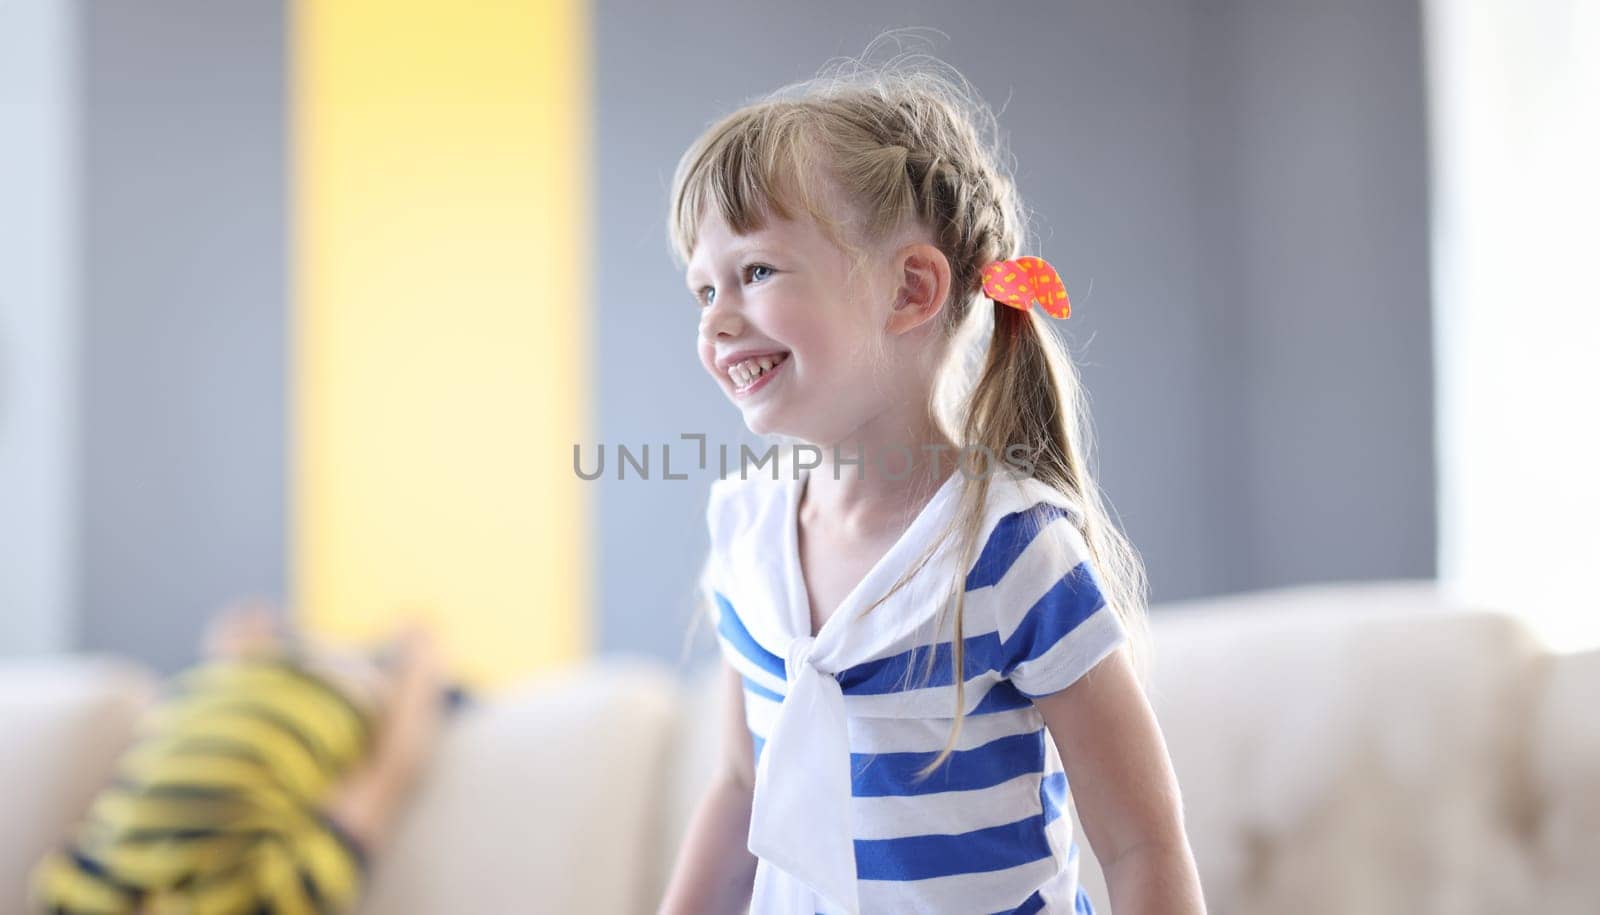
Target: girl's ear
924,277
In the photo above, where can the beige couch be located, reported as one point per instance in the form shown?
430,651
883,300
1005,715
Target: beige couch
1342,749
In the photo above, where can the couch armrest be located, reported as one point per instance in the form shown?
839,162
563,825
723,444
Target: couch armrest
65,719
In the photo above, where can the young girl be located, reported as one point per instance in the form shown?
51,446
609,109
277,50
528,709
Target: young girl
853,247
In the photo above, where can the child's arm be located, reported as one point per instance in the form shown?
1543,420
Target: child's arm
1126,793
715,871
368,803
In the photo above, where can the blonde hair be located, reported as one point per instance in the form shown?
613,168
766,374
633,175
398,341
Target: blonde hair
903,143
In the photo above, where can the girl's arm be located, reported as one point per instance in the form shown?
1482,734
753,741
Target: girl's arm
715,872
1122,782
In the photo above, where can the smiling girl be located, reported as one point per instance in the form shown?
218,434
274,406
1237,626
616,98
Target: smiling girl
924,667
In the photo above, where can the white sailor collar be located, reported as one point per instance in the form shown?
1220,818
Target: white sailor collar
800,826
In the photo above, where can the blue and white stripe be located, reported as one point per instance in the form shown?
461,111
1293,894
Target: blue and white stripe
989,831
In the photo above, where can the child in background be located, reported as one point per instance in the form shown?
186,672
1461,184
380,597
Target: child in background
857,258
264,780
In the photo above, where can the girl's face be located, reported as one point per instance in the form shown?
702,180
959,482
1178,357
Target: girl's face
780,293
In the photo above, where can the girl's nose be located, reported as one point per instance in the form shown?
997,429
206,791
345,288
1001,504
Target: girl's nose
722,316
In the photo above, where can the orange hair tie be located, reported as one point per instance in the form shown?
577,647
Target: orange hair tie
1021,282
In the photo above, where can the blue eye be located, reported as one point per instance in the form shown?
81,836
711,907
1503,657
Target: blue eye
708,293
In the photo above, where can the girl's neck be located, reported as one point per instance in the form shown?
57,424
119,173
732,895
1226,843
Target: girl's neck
879,490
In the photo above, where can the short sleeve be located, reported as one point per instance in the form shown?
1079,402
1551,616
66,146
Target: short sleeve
1054,621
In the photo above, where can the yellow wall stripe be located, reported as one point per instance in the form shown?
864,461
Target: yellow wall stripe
441,314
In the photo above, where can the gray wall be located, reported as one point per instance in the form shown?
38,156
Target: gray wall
1313,187
183,460
38,209
1235,190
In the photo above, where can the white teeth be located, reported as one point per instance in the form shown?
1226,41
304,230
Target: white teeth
745,372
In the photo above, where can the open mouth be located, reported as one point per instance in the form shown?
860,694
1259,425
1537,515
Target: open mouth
752,373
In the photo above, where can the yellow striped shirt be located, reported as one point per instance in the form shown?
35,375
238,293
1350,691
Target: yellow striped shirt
216,809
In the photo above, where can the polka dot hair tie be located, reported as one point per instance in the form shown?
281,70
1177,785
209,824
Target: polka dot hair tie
1021,282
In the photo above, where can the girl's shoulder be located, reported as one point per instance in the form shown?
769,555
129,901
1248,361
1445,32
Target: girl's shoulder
744,520
1022,505
1032,532
1035,585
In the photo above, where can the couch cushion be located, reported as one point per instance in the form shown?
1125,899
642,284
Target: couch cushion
1345,748
542,798
64,720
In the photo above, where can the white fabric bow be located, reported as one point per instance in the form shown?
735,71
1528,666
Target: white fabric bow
810,745
801,827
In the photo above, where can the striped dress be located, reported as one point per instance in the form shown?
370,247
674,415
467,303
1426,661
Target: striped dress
215,810
990,830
